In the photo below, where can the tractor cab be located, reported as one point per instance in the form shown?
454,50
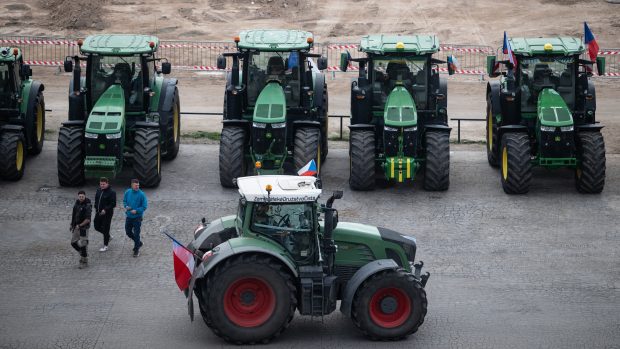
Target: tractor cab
13,72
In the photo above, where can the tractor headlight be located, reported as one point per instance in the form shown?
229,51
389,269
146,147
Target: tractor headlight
411,129
91,135
279,125
390,129
547,128
113,135
567,128
259,125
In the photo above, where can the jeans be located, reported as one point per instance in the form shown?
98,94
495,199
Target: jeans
102,225
132,229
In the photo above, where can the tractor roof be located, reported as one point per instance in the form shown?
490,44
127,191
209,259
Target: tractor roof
119,44
283,188
415,44
275,40
6,54
560,46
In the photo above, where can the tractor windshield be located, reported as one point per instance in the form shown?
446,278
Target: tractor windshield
106,71
288,224
537,73
410,72
283,67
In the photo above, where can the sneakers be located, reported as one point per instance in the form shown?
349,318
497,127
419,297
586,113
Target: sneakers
103,249
111,237
83,262
136,253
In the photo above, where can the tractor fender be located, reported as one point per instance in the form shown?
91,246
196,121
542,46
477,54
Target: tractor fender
438,127
146,124
166,100
74,123
356,127
12,128
590,104
35,87
234,122
319,85
511,129
359,277
306,123
589,127
493,90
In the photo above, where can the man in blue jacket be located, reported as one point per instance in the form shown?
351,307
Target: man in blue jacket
134,202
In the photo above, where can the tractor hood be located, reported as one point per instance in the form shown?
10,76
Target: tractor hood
271,104
552,110
108,114
400,110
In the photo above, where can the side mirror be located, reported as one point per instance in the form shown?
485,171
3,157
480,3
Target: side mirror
491,66
600,66
451,65
344,61
68,65
26,71
336,195
321,63
166,67
221,62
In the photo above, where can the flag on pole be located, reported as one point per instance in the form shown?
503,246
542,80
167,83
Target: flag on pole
308,170
507,49
453,62
183,264
590,41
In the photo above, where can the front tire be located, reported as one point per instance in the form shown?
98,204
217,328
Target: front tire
437,167
390,305
70,157
38,126
173,129
232,155
590,171
12,156
516,167
250,299
147,157
362,160
307,148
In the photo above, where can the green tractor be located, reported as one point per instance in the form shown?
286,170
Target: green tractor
22,114
275,105
399,115
121,110
542,112
255,269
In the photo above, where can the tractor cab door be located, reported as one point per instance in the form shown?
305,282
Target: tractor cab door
9,85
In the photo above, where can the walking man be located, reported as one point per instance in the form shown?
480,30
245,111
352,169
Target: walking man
105,202
80,222
134,202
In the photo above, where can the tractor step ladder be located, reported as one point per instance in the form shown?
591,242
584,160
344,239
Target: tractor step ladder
312,297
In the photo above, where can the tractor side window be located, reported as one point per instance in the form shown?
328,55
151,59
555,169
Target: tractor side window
290,225
7,95
124,71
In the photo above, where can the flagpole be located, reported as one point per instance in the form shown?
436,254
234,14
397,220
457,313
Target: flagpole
180,244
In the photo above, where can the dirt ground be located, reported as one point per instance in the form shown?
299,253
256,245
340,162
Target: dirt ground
455,21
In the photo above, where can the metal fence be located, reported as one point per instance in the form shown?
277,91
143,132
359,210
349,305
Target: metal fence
202,55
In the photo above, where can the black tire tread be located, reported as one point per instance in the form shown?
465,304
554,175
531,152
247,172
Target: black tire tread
519,163
70,156
362,153
591,150
232,157
145,157
172,147
492,154
307,143
437,166
37,146
8,156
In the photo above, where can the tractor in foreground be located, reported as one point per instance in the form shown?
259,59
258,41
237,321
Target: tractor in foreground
542,112
275,256
399,113
275,105
121,110
22,114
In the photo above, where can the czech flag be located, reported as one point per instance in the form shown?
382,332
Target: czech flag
308,170
183,264
453,62
590,41
507,49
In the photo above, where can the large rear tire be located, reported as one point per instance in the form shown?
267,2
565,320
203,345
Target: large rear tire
390,305
232,155
12,156
491,136
307,147
590,171
173,129
38,126
70,156
362,160
250,299
516,167
147,157
437,167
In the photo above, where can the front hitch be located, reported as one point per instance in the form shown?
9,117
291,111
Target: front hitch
417,274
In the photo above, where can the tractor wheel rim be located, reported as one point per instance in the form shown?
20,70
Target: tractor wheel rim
175,122
390,307
39,123
505,163
490,129
249,302
19,156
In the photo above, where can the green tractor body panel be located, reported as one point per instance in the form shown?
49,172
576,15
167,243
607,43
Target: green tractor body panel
552,110
25,95
271,104
255,242
6,54
566,46
400,110
274,40
108,114
415,44
156,87
119,44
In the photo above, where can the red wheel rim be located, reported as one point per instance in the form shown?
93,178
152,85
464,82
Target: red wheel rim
249,302
390,307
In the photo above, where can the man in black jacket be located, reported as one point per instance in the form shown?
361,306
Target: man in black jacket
105,202
80,222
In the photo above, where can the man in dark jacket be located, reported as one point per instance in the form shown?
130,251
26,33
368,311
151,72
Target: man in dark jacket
80,222
105,202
